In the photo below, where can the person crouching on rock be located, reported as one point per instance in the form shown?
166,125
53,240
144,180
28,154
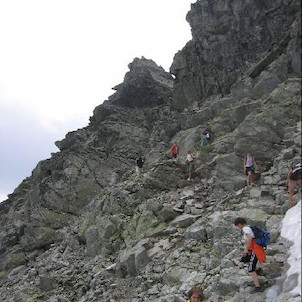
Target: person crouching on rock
195,294
255,251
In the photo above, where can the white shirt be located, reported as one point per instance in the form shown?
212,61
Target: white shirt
249,161
189,157
247,230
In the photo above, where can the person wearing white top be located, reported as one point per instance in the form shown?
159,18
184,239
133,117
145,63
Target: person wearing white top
249,166
190,163
248,236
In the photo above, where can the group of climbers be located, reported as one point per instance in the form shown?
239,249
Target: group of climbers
253,251
250,166
293,180
190,160
207,136
255,239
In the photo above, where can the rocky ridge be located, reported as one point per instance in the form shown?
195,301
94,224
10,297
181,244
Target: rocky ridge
83,227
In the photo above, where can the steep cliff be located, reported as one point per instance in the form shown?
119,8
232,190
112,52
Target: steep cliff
228,38
85,227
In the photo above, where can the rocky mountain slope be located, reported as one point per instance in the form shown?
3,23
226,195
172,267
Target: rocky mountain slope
85,227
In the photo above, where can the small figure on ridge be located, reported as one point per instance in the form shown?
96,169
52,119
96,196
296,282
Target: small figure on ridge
207,135
174,151
293,181
249,166
139,164
190,160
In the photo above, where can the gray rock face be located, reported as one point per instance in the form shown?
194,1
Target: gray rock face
145,85
228,38
85,227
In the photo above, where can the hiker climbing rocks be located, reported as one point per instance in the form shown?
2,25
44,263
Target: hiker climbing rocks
293,181
251,248
207,135
139,164
174,151
195,294
249,166
190,160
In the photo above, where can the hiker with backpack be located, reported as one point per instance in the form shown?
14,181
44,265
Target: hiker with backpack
207,135
139,164
174,151
293,181
253,250
190,160
249,166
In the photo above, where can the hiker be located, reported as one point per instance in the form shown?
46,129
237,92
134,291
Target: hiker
195,294
249,165
190,160
139,164
293,181
251,248
207,135
174,151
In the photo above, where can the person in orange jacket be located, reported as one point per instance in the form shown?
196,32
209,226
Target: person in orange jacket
251,248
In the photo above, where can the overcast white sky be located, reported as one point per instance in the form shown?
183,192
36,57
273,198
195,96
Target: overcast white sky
59,59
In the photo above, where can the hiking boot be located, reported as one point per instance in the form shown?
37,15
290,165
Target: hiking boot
257,289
